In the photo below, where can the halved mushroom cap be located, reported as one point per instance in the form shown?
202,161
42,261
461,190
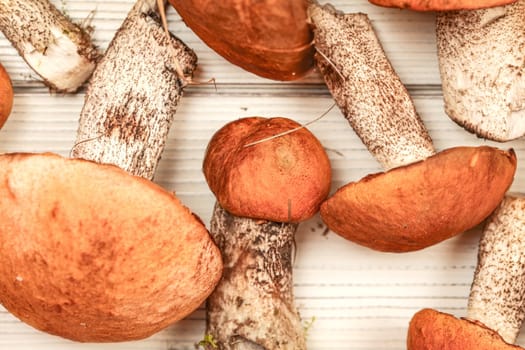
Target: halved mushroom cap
431,329
418,205
441,5
91,253
268,38
283,179
6,95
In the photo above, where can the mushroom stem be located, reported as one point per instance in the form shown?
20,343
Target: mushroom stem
133,95
58,50
482,69
366,88
253,305
497,297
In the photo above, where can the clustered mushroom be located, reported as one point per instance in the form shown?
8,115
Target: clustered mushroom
496,303
127,259
58,50
423,198
91,249
265,186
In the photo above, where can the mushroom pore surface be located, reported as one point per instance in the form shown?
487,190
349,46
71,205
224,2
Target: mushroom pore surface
441,5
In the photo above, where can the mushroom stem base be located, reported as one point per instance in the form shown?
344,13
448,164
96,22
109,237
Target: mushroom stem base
58,50
253,305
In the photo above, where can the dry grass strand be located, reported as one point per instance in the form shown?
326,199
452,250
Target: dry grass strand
281,134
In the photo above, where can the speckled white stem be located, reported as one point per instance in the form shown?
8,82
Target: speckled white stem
253,305
58,50
482,65
132,98
366,88
497,297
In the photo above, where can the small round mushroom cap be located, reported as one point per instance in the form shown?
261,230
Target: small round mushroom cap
91,253
6,96
269,38
283,179
421,204
430,329
441,5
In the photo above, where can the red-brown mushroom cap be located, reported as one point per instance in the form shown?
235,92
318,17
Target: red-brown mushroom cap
284,179
91,253
441,5
269,38
6,96
433,330
418,205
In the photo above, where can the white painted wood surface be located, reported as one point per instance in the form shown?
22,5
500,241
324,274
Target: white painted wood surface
360,299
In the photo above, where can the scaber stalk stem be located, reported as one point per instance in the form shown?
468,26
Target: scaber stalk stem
497,296
133,94
253,305
366,88
482,69
57,49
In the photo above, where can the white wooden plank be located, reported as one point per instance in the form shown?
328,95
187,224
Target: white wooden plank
360,299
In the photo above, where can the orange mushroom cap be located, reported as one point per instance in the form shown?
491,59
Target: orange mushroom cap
91,253
441,5
6,96
284,179
418,205
269,38
431,329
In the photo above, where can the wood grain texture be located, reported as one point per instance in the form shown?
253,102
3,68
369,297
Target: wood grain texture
357,298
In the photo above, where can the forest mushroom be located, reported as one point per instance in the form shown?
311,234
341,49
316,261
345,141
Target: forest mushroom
481,63
59,51
263,189
423,198
497,297
6,96
97,253
269,38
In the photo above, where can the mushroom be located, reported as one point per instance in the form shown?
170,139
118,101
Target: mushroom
6,96
481,62
497,296
59,51
265,186
269,38
484,95
422,198
94,252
